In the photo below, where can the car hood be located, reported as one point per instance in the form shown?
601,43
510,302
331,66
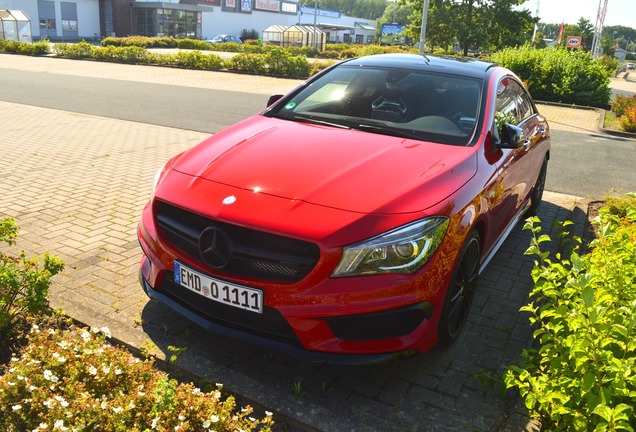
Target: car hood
327,166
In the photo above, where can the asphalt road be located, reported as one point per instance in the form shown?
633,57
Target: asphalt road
585,164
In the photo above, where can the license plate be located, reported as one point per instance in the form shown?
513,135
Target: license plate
238,296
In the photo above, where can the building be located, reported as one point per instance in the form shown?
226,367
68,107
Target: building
72,20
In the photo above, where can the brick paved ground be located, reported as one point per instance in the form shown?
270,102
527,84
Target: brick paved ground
76,185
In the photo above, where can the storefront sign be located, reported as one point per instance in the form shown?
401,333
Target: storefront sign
267,5
320,12
246,6
289,8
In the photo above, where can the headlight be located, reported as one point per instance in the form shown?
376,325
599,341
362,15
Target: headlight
402,250
159,175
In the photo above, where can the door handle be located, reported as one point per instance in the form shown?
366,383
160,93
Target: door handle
543,132
526,145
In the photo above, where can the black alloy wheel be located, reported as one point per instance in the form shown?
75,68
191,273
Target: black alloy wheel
537,193
461,291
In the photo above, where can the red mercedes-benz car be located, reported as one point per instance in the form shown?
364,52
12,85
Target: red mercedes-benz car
349,221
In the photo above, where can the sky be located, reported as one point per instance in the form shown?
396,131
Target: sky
619,12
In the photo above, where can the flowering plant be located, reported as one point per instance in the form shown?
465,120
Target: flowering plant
75,380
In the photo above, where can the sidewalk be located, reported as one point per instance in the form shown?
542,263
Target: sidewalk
76,185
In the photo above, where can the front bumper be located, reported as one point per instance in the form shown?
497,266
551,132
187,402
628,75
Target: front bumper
279,344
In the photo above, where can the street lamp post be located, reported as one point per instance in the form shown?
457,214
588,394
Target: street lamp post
423,32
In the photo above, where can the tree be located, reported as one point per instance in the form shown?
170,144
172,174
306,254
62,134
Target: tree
474,24
539,40
586,31
608,45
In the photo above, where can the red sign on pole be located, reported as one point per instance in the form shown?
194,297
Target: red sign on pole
574,42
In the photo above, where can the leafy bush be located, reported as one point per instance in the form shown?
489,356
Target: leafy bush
582,376
318,66
249,34
558,75
75,380
621,103
628,120
141,41
195,44
282,62
24,282
76,51
247,62
196,60
41,47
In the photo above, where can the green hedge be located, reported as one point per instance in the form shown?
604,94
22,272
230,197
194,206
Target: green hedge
559,75
274,61
39,48
582,375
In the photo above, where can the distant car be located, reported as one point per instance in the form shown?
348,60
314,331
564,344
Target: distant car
223,38
348,222
630,66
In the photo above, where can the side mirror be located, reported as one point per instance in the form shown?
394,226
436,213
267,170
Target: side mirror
273,99
511,137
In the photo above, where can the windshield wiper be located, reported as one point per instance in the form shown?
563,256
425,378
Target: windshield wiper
385,130
304,119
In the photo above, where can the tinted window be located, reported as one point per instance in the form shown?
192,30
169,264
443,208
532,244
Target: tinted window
410,103
513,103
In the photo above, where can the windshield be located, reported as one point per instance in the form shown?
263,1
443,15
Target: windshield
407,103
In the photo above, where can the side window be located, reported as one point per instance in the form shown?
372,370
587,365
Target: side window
513,103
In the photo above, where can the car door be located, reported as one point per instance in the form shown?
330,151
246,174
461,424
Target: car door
516,167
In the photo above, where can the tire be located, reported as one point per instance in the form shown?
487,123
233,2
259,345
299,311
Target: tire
537,191
460,291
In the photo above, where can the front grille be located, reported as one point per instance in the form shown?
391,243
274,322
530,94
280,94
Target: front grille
270,324
256,254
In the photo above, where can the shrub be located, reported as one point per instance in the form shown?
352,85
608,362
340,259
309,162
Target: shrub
249,34
318,66
349,53
75,380
247,62
197,60
628,120
558,75
41,47
282,62
622,103
193,44
24,282
75,51
582,375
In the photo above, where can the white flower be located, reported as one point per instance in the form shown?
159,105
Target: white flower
269,413
47,403
153,425
118,410
105,369
214,419
16,407
141,394
92,370
181,417
11,384
104,405
117,371
86,336
244,410
62,401
106,332
206,424
43,426
48,375
14,359
59,424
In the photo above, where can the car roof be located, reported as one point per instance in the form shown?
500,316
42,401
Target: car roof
445,64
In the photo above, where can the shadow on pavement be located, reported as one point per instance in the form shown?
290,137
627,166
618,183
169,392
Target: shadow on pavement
447,388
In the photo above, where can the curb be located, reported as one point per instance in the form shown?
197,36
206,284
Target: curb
601,122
